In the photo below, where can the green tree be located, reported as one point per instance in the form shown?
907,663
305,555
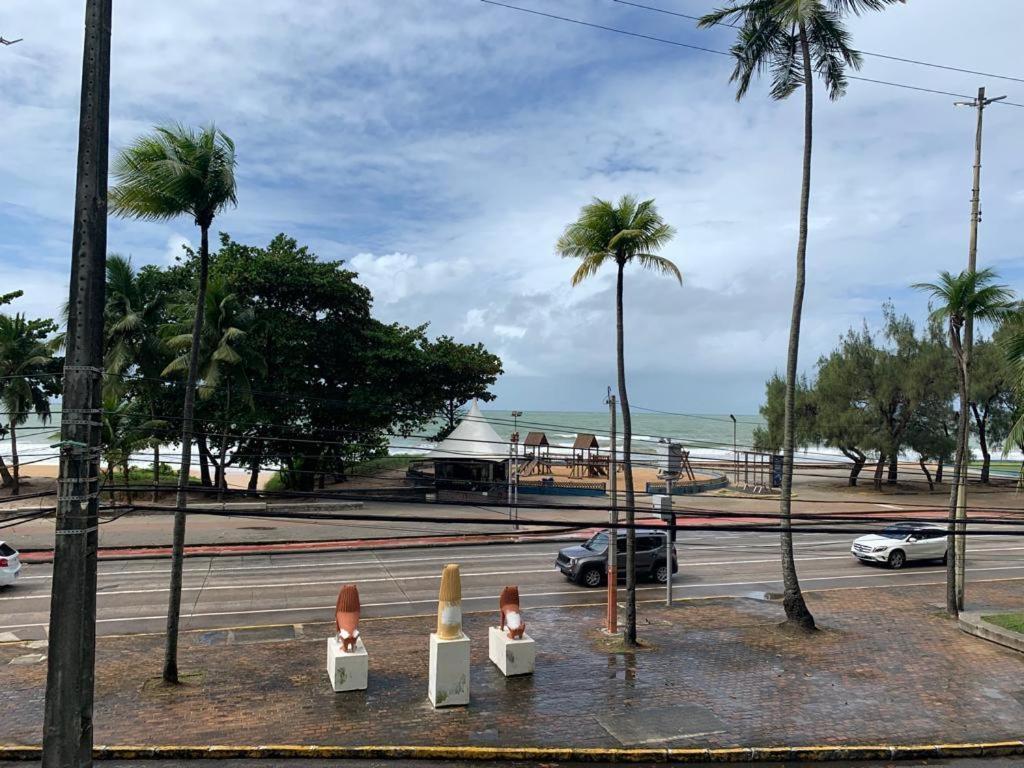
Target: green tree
134,353
177,171
618,234
126,429
228,360
459,373
955,297
992,394
794,40
769,437
26,381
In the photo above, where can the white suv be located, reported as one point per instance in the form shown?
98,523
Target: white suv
900,543
10,564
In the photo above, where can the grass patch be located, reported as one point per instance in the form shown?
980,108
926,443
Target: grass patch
381,464
1011,621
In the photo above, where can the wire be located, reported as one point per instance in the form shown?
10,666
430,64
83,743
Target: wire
873,54
702,49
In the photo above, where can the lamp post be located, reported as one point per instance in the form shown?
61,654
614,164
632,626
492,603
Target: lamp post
735,453
515,466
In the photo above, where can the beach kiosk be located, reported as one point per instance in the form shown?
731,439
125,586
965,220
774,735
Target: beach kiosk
472,458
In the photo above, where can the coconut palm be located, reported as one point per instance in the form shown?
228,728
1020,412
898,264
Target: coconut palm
126,429
25,356
955,298
227,360
131,326
606,233
178,171
793,40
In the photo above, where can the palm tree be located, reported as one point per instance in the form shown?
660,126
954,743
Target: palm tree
126,429
131,322
957,297
793,40
620,234
24,356
227,359
178,171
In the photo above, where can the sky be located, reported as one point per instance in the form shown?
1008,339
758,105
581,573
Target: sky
439,148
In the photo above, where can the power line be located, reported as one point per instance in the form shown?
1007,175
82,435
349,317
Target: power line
679,44
873,54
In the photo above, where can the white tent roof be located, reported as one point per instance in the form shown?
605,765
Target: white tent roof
473,438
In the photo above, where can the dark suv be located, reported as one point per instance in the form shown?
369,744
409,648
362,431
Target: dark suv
587,564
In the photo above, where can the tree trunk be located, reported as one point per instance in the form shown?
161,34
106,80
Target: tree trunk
127,482
254,465
156,471
5,474
981,421
879,466
170,671
952,607
204,461
927,474
110,479
15,474
793,601
894,468
858,458
222,479
939,466
627,463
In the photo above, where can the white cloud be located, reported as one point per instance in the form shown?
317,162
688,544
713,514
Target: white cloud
395,276
175,245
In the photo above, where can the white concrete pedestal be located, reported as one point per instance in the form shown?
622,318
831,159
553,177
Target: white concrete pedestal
348,671
512,657
449,671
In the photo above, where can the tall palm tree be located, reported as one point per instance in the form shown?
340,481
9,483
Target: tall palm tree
620,234
131,326
793,40
172,172
24,355
957,297
227,360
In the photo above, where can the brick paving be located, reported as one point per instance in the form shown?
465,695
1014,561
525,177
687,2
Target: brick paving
888,667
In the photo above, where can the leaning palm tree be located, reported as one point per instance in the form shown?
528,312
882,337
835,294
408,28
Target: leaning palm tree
957,297
227,359
793,40
617,235
177,171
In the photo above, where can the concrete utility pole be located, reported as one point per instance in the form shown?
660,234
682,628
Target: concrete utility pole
71,658
613,520
960,548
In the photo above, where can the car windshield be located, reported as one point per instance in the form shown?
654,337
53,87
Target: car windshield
6,550
598,542
896,533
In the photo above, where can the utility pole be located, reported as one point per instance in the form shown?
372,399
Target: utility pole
71,656
613,521
960,545
735,453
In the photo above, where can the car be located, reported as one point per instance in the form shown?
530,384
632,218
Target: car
587,563
902,543
10,564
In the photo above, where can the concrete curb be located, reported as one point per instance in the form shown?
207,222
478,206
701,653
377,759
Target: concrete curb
562,754
559,535
972,623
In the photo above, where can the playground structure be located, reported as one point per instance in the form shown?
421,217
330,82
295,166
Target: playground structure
587,460
537,453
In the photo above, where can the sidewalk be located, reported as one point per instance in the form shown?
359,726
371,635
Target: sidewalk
887,668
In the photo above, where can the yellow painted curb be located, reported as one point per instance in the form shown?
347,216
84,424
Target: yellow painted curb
563,754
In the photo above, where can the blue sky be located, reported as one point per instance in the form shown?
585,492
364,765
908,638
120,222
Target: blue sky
439,148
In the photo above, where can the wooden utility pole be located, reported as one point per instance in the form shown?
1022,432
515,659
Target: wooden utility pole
613,533
960,545
67,724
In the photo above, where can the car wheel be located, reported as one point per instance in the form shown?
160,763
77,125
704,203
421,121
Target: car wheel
591,576
897,559
660,572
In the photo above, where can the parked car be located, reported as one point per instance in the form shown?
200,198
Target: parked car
587,563
10,564
901,543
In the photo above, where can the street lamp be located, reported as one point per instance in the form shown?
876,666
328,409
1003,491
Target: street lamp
735,453
515,467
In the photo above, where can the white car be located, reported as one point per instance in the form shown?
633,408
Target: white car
10,564
900,543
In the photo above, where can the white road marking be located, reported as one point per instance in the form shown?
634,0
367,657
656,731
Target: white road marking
658,587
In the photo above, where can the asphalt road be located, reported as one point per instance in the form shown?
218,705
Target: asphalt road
260,590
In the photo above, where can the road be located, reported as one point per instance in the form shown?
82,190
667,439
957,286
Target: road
261,590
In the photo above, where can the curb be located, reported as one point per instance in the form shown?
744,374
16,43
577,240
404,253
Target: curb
42,556
560,754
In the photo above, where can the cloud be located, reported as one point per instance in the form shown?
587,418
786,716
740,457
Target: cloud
395,276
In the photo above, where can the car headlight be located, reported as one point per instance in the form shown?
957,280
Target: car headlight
880,549
573,561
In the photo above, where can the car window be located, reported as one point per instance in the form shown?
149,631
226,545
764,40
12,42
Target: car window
6,550
896,532
647,543
598,542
